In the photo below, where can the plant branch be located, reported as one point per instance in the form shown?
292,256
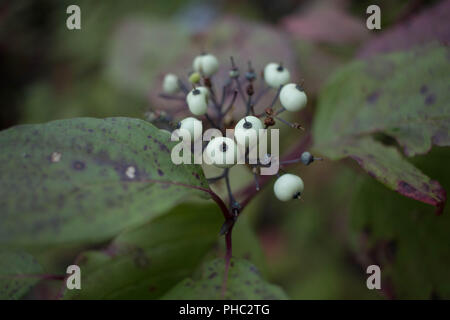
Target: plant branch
248,193
233,99
228,255
170,97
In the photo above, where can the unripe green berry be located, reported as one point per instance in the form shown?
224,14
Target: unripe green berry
197,101
288,187
206,65
194,77
248,123
276,75
193,125
292,97
170,84
222,152
234,73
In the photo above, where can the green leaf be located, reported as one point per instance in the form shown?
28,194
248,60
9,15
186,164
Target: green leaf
145,262
408,243
244,282
18,273
84,180
403,96
139,47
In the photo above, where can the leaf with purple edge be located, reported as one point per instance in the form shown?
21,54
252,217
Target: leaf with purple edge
402,95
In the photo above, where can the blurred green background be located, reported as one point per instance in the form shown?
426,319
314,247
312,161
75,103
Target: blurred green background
317,249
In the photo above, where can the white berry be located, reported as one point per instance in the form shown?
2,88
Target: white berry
170,84
205,91
222,152
276,75
193,125
288,187
242,128
206,65
292,97
197,102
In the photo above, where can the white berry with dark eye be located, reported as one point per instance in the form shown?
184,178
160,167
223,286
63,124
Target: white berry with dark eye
170,84
193,126
197,101
245,128
222,152
293,97
276,75
206,64
205,91
288,187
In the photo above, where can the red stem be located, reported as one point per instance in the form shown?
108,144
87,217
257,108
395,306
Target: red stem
249,192
228,254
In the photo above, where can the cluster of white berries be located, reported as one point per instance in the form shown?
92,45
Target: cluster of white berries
222,151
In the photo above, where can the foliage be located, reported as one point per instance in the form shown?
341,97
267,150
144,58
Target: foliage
404,237
106,191
84,180
18,273
373,93
244,282
145,262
